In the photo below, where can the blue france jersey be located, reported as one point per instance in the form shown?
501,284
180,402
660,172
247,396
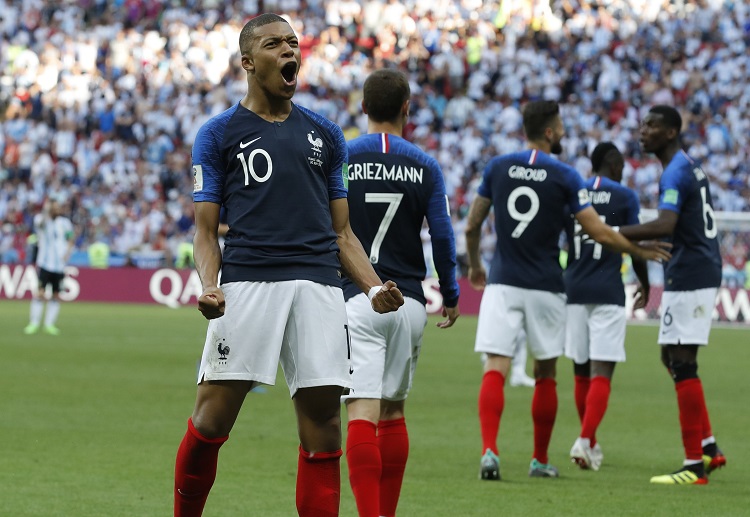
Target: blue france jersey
276,180
696,259
530,192
593,273
393,186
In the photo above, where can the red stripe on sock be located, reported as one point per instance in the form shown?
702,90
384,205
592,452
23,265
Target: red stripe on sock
596,407
491,405
543,412
393,440
692,405
365,466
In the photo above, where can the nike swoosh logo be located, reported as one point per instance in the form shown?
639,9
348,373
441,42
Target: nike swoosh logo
243,145
351,370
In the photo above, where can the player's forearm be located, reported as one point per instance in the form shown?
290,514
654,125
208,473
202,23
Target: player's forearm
444,257
641,271
651,230
472,247
355,264
613,240
207,255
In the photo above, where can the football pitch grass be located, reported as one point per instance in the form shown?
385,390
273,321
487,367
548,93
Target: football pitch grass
90,422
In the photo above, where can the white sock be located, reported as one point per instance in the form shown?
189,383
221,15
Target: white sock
691,462
53,309
708,441
37,307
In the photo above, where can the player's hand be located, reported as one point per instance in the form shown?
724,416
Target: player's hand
211,303
641,297
452,314
478,278
654,250
388,299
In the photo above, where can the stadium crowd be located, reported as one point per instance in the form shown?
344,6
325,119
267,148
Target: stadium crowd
100,101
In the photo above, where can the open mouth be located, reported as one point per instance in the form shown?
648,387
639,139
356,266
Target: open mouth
289,73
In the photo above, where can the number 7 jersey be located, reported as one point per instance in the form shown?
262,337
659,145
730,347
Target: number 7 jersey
531,193
393,186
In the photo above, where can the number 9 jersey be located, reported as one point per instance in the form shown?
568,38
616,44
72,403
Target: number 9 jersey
531,193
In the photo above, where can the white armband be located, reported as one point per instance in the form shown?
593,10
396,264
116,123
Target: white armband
373,291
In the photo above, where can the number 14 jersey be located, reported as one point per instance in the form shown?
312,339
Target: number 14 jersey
531,193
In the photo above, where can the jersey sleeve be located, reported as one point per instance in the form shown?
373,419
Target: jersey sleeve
671,190
443,238
208,171
338,173
578,194
485,187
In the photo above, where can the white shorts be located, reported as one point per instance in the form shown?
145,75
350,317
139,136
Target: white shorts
385,348
300,323
505,310
686,316
595,332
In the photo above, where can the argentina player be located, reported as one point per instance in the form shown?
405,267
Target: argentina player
595,326
393,186
277,169
530,192
691,280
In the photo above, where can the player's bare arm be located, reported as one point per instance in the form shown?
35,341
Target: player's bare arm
355,264
607,236
478,212
662,226
642,293
207,253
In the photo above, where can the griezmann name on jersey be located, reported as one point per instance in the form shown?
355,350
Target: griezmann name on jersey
593,273
531,193
696,258
276,181
393,186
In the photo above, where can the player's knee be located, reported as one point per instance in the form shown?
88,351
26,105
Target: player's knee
682,371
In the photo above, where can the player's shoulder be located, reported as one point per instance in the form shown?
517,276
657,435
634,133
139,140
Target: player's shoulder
218,123
681,163
329,128
403,147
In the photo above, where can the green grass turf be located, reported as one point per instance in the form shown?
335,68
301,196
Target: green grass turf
90,422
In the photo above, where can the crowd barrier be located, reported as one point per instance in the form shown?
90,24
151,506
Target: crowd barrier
178,287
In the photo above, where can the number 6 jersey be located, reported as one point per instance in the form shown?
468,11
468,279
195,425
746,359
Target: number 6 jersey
531,193
696,259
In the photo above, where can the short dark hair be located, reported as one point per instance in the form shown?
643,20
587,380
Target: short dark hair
671,116
599,152
537,116
385,92
248,31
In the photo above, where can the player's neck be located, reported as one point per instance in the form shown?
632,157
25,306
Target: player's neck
666,154
540,145
390,128
267,108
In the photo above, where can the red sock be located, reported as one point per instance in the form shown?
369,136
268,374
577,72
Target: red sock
195,471
692,408
318,483
491,404
365,466
707,432
596,406
543,412
393,441
581,392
